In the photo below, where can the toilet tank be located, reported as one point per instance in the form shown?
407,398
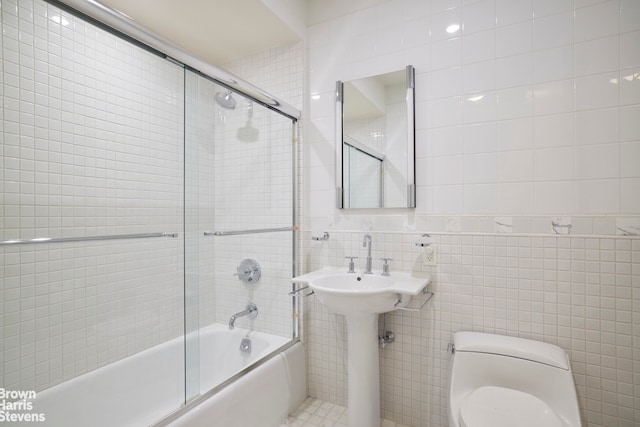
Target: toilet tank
533,367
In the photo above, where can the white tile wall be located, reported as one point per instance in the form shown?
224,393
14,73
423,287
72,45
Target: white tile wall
91,145
526,115
576,292
557,74
279,71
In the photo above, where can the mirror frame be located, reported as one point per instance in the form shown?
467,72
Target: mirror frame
411,140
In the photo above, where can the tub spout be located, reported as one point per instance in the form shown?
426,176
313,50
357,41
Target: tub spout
251,312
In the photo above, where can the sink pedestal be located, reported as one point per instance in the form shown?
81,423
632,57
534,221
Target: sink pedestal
363,370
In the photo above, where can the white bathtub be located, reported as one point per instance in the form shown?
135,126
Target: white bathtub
144,388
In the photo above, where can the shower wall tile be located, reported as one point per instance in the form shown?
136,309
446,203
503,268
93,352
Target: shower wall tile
91,145
278,71
262,170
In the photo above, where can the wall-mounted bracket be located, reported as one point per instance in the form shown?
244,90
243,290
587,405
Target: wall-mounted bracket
429,295
298,294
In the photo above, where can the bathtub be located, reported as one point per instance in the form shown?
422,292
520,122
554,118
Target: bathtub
146,387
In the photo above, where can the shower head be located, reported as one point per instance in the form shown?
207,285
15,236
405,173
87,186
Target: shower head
248,133
225,100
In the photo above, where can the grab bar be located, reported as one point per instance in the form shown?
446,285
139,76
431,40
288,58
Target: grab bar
429,296
254,231
295,293
84,239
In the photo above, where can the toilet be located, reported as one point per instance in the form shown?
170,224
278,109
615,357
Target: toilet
500,381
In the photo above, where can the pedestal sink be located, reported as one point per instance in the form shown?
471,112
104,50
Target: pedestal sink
360,298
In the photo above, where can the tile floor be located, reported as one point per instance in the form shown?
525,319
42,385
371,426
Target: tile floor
317,413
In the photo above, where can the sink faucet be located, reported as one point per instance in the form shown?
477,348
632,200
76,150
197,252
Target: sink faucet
366,242
251,312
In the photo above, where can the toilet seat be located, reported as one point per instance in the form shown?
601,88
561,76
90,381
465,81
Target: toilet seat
492,406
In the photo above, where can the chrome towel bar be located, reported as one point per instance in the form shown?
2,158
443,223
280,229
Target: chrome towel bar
84,239
254,231
425,292
298,294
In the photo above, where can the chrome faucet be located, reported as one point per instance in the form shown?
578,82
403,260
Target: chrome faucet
366,242
251,312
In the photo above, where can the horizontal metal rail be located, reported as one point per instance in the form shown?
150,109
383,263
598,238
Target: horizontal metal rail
85,239
254,231
298,294
429,295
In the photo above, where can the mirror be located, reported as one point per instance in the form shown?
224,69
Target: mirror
375,162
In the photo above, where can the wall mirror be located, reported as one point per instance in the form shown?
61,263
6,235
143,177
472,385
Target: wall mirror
375,141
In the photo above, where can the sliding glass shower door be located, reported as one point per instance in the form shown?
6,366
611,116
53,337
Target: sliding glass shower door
239,212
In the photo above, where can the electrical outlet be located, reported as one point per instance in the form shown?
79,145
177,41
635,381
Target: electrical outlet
429,256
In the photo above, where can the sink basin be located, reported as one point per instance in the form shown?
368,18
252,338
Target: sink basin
349,293
346,293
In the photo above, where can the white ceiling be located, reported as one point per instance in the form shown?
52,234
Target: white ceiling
217,31
367,96
324,10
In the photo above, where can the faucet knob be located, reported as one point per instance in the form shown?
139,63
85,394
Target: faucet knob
385,266
248,271
352,265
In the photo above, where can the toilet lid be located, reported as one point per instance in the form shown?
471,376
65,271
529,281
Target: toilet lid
493,406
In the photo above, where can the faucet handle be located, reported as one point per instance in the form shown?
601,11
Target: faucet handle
352,265
248,271
385,266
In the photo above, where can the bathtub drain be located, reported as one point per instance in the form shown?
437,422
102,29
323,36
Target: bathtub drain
245,345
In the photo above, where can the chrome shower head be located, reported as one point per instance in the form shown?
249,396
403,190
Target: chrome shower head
225,100
248,133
